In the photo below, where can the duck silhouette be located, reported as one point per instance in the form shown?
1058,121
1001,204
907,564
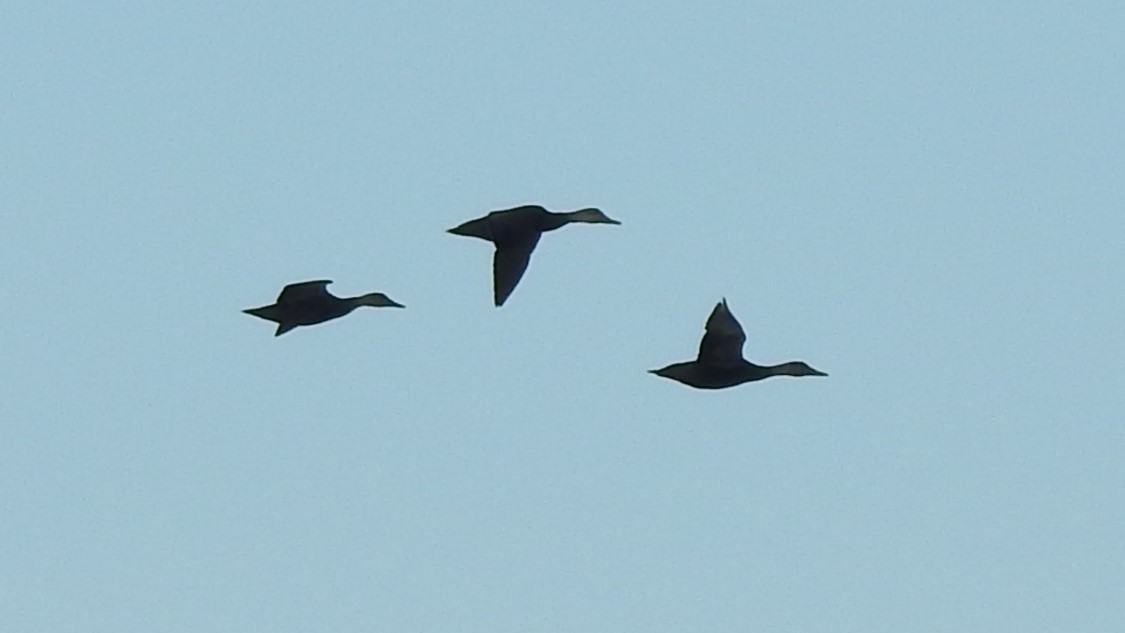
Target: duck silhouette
309,303
720,363
516,232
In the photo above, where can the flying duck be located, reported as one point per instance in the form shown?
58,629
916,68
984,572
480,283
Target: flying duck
515,232
720,363
309,303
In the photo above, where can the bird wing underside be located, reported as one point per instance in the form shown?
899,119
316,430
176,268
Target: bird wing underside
297,292
509,263
723,339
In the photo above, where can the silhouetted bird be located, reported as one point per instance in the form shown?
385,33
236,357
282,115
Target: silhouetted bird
515,232
309,303
720,363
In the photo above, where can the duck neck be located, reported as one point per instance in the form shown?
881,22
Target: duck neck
784,369
347,304
557,220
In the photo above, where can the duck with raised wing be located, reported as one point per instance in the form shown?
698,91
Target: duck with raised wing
720,364
309,303
515,232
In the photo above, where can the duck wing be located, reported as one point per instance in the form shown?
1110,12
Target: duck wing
723,338
302,291
509,263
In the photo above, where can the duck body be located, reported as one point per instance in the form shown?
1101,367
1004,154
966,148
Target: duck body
705,376
720,364
712,376
310,303
512,225
515,233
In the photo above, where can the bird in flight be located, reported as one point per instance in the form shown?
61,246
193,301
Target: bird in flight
515,232
720,363
309,303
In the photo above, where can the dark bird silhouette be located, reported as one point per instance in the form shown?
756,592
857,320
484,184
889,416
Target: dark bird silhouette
515,232
720,363
309,303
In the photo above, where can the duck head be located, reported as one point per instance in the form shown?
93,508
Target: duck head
592,216
796,368
377,300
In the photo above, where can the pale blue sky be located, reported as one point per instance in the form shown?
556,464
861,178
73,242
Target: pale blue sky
924,200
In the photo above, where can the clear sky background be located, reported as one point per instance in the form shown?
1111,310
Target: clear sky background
924,199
